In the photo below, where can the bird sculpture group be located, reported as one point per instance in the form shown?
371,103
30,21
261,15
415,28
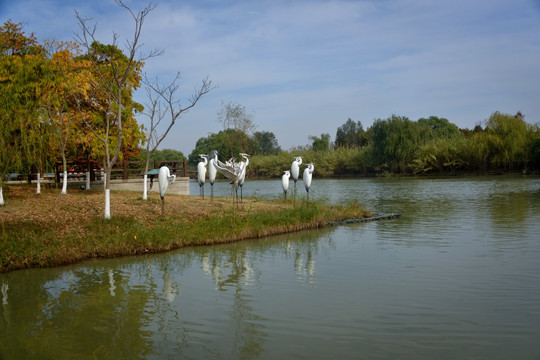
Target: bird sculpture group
235,171
295,172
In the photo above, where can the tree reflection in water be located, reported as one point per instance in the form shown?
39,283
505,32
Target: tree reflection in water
133,307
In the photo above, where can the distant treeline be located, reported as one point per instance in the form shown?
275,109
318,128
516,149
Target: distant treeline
397,145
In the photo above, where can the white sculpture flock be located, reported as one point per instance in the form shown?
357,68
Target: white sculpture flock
236,173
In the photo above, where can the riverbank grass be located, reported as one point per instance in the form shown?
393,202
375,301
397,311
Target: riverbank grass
50,229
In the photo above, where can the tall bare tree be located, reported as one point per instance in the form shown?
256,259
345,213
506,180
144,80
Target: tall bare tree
163,103
115,77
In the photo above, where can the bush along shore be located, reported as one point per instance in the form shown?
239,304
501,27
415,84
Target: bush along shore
49,229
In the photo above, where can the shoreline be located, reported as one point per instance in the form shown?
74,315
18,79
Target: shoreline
50,229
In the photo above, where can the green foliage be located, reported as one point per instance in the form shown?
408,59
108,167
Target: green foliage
228,143
269,166
22,80
533,146
351,134
441,155
508,140
440,127
429,146
477,151
162,155
395,142
267,143
329,163
320,143
41,90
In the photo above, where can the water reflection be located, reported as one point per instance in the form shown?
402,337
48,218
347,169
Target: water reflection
111,282
109,309
5,289
169,289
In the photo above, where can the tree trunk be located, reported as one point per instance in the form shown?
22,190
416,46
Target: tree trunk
107,195
145,187
38,191
88,171
145,181
64,184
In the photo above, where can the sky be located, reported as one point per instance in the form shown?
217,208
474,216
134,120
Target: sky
303,67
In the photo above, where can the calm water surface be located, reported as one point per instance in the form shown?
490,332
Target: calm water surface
456,277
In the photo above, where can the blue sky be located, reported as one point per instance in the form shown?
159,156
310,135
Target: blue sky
304,67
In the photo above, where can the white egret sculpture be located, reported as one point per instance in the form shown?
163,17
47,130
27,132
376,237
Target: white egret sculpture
295,171
231,170
285,182
212,171
165,178
243,165
201,172
308,172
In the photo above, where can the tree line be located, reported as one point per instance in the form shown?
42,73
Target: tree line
504,143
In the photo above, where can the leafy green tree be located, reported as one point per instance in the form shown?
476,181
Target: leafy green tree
477,151
509,139
320,143
228,143
267,143
350,135
440,155
165,154
65,77
440,127
22,62
533,146
395,141
235,117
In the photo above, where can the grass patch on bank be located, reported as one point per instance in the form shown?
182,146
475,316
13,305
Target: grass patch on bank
51,229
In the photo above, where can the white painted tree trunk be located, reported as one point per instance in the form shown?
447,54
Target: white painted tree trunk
64,184
145,190
38,191
1,197
107,203
88,180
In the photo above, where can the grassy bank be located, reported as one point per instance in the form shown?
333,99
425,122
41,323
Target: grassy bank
50,229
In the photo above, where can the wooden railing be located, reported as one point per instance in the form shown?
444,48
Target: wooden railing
123,169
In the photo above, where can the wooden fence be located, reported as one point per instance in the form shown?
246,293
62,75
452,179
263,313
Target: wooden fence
123,170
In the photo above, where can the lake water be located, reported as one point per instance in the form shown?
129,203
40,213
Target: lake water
456,277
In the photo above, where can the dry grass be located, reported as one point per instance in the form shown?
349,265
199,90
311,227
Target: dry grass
50,229
22,203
